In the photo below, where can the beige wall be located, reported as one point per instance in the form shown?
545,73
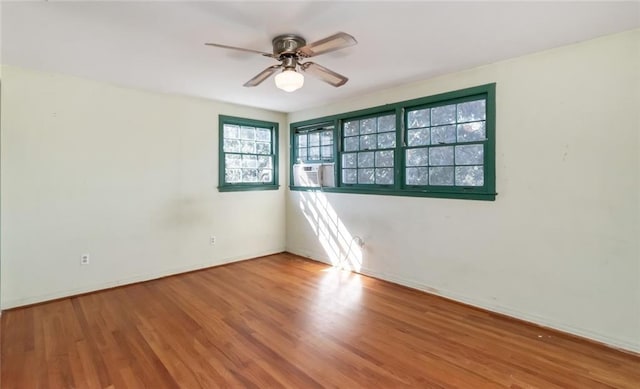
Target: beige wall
127,176
559,246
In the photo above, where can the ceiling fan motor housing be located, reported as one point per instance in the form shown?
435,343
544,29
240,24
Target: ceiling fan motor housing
287,45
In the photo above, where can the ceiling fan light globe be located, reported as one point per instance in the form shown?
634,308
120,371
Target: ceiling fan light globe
289,80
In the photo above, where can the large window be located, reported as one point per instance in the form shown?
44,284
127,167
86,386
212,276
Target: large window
248,154
436,146
446,144
368,143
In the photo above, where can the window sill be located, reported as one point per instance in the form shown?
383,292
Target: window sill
242,188
395,192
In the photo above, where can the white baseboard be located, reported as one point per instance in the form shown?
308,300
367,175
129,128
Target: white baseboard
8,304
488,305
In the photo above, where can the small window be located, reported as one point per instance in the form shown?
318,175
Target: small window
248,154
313,155
314,145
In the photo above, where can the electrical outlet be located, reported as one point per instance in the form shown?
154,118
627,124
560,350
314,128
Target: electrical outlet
84,259
212,240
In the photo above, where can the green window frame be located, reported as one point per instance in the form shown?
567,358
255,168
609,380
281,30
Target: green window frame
443,146
248,154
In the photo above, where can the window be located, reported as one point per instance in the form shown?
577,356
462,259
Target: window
435,146
368,155
314,144
446,145
248,154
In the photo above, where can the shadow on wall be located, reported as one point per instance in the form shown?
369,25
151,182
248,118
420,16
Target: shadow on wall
343,249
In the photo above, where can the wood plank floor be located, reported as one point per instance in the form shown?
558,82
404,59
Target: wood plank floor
281,321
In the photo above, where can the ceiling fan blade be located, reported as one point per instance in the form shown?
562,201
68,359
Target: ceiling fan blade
240,49
331,43
326,75
263,75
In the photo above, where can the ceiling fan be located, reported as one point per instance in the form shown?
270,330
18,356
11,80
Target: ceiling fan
291,50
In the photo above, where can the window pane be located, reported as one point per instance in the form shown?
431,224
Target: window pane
441,135
350,160
469,175
233,160
384,158
249,161
263,148
302,139
326,138
443,115
302,154
230,131
265,175
368,126
351,128
417,157
248,146
387,123
418,137
470,132
314,139
417,176
366,176
367,142
384,176
249,175
248,133
471,111
232,175
265,161
352,143
441,176
439,156
350,176
314,153
469,155
365,159
327,152
419,118
231,146
387,140
263,134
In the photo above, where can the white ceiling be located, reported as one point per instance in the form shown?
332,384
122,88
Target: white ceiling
159,46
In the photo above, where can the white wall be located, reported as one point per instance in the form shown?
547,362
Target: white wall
559,246
127,176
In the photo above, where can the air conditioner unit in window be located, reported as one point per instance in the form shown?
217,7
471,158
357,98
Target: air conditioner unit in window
314,175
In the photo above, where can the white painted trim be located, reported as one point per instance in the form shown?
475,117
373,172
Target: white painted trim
515,313
132,280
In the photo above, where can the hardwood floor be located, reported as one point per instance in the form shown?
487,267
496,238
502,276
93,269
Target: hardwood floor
281,321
